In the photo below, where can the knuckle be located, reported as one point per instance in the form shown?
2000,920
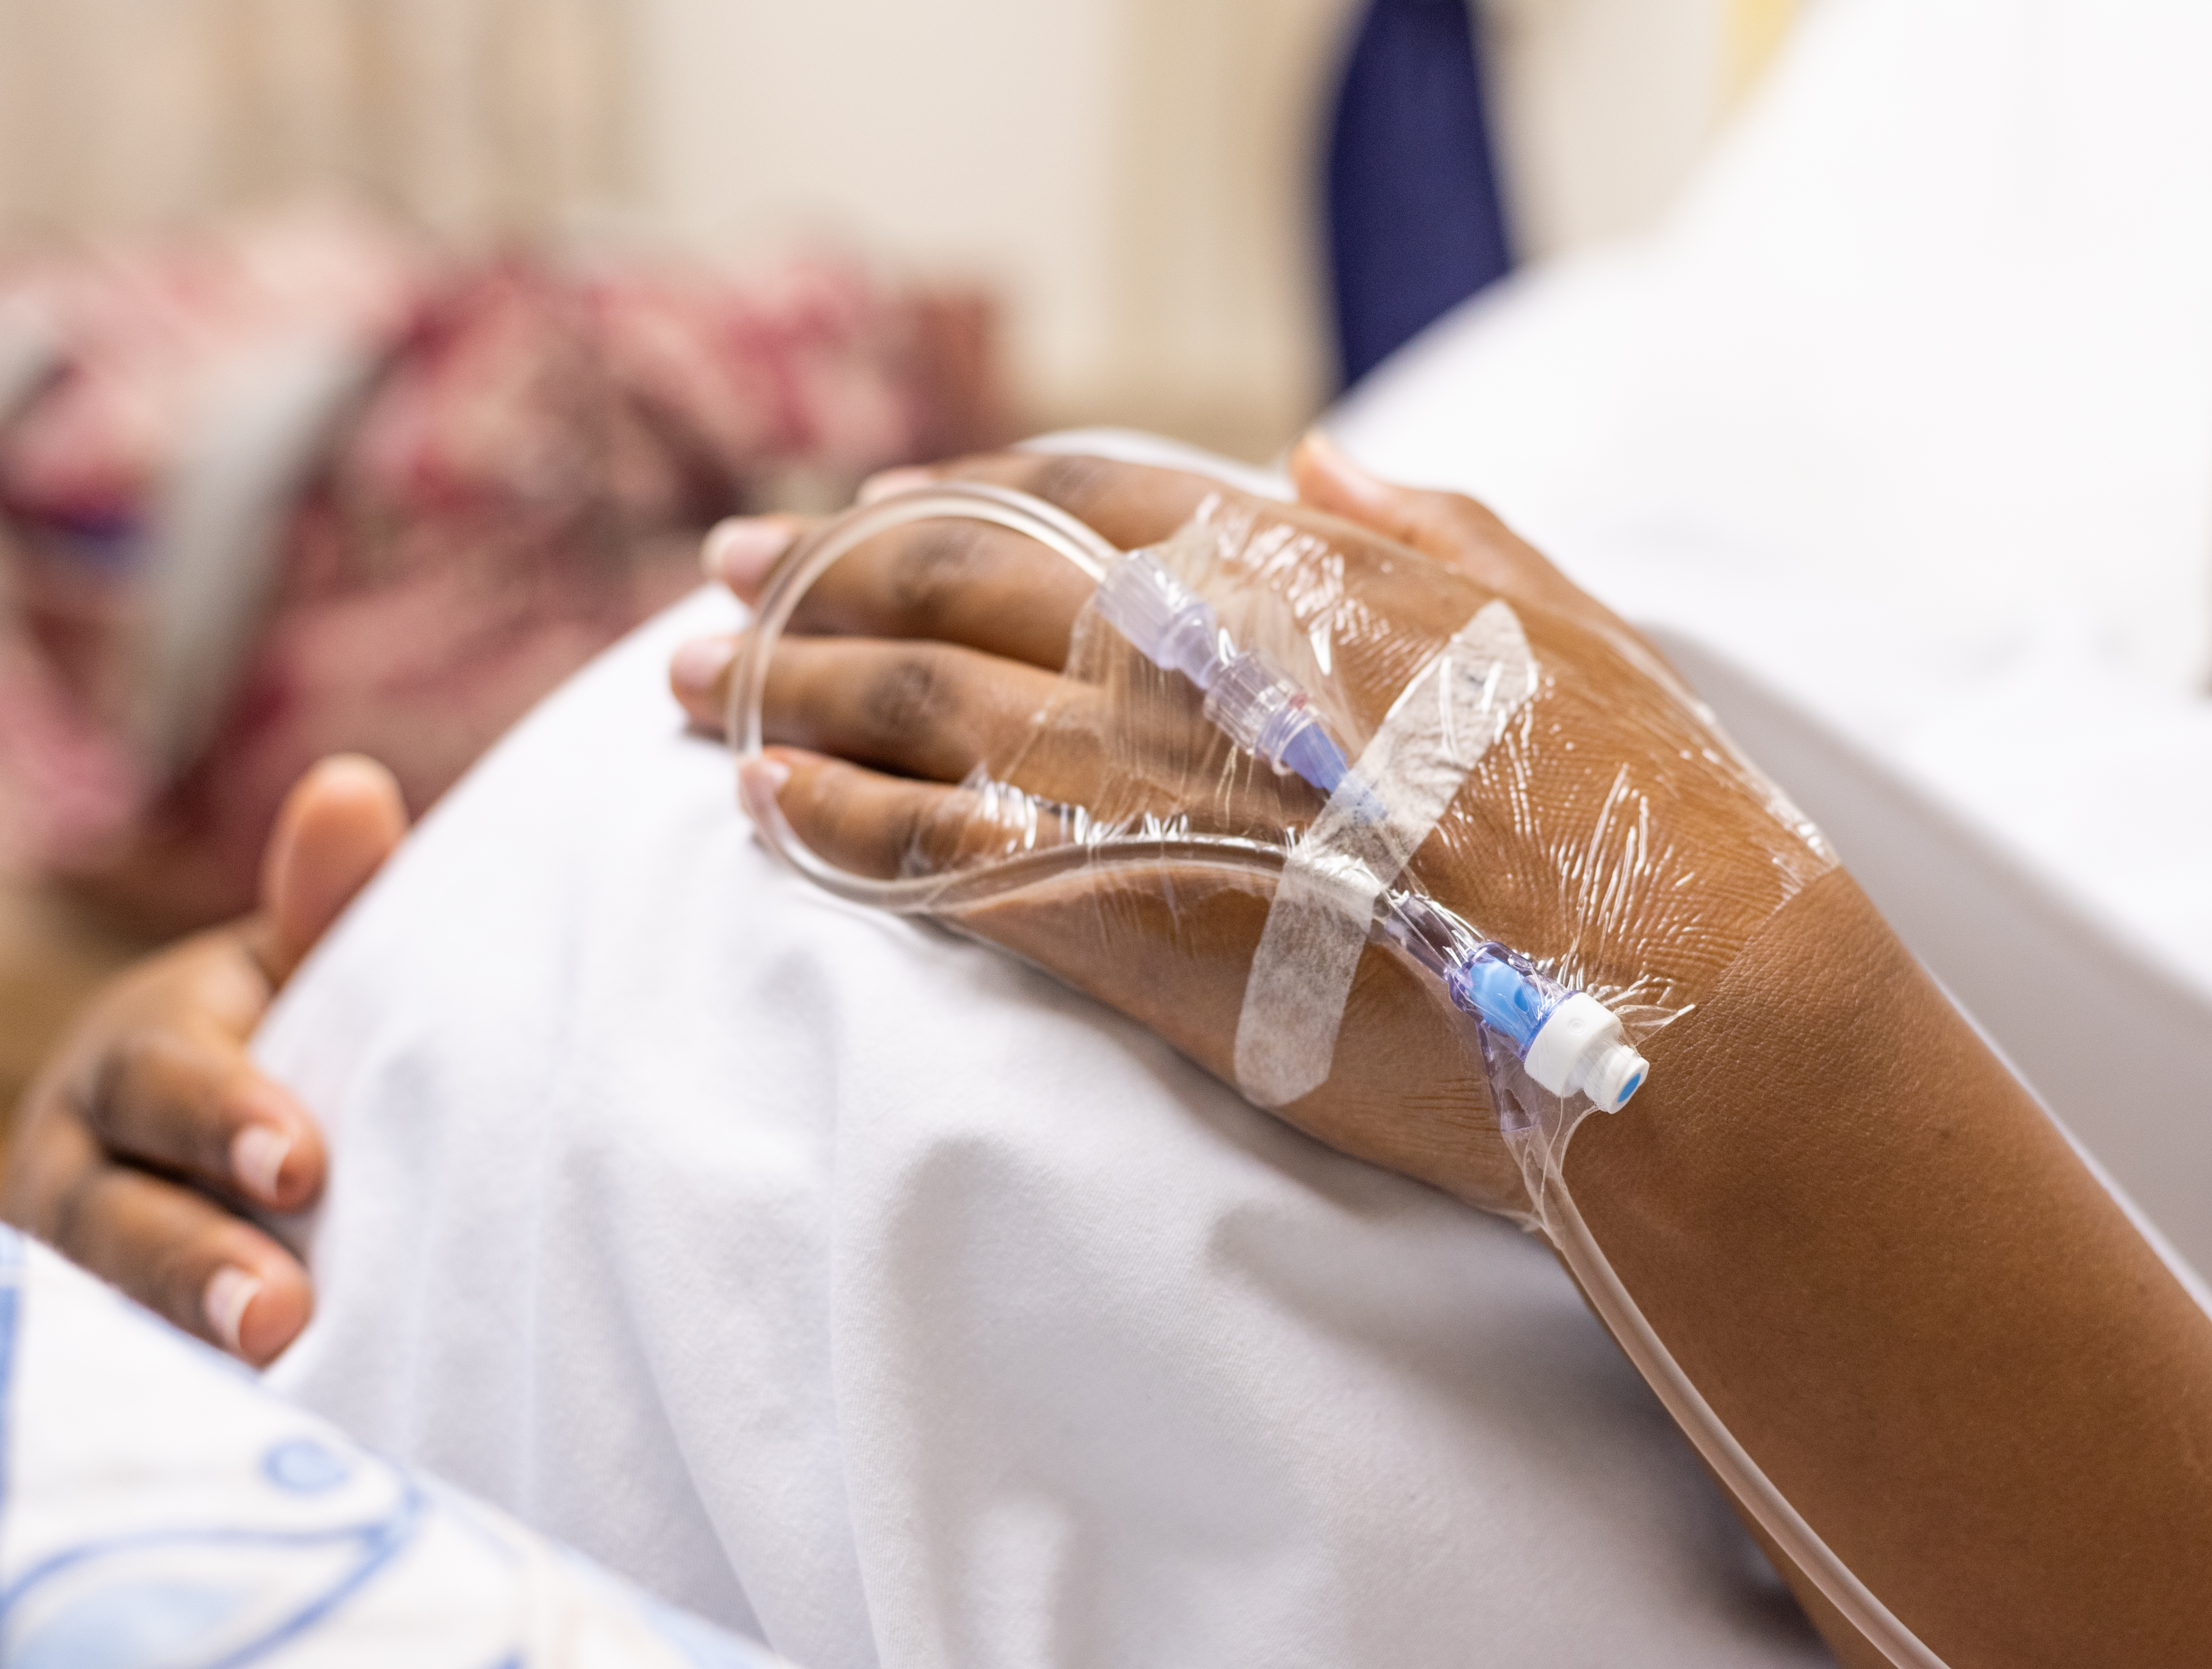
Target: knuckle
915,838
1070,482
134,1096
850,829
113,1072
853,824
69,1218
49,1155
170,1276
932,568
1472,516
907,698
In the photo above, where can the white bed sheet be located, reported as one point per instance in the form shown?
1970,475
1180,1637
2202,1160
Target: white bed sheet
826,1273
160,1508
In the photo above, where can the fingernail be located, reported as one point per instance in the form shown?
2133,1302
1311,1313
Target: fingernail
258,1153
698,665
230,1291
885,483
1323,448
740,551
761,779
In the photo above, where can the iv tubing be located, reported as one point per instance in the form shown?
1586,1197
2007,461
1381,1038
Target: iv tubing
1585,1260
1562,1222
1019,512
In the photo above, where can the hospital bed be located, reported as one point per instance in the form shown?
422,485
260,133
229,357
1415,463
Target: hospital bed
979,1327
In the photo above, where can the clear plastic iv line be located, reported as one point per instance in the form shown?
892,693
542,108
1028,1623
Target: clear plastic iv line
1571,1043
1432,936
1246,697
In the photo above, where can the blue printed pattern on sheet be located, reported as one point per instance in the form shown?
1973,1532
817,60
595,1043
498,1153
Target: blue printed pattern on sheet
158,1507
11,1287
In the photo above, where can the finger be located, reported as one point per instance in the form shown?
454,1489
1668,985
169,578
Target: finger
699,674
338,826
958,581
1447,527
926,710
949,580
742,551
1130,505
189,1099
209,1272
870,824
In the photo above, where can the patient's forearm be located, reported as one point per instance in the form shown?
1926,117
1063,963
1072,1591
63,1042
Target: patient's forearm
1932,1328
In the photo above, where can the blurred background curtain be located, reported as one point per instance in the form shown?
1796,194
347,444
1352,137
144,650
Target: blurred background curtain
469,116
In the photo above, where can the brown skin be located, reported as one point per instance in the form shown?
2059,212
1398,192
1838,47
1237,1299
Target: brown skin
125,1150
1856,1232
867,679
1916,1308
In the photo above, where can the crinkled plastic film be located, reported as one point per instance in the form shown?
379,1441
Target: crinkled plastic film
1360,834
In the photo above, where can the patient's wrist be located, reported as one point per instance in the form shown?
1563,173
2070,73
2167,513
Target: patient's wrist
1779,1044
1822,1118
1891,1277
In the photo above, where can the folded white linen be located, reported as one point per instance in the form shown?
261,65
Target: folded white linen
1909,410
830,1275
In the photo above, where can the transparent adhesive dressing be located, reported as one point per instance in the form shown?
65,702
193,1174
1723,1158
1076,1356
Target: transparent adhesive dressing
1272,734
1569,1042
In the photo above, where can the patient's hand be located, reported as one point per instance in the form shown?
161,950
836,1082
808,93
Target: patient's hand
938,649
150,1132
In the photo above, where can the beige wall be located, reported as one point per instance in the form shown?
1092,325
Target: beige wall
1133,171
1138,175
1606,106
1141,173
468,113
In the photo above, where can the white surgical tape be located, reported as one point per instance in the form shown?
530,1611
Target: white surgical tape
1437,731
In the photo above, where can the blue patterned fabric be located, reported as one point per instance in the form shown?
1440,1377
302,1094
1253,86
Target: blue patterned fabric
164,1511
1414,221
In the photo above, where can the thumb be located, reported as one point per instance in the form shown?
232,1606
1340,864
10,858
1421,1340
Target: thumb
1448,528
337,826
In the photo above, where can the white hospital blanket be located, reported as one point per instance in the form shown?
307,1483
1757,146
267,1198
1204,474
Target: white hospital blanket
819,1269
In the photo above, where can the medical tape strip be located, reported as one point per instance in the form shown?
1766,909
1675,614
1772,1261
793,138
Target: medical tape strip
1436,732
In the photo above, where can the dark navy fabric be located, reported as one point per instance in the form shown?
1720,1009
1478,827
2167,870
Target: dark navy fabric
1414,221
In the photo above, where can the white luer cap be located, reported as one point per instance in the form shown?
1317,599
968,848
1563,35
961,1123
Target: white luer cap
1582,1047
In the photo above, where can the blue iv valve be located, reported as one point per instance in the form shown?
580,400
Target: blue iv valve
1511,996
1568,1041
